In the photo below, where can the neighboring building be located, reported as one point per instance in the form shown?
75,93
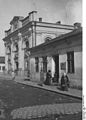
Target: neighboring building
2,64
61,54
26,33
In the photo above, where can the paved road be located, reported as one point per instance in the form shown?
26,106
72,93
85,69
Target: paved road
15,96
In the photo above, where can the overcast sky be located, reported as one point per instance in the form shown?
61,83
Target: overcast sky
67,11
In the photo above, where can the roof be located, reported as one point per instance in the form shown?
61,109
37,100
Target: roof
2,59
73,33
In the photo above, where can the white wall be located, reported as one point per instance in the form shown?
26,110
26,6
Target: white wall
44,32
78,64
75,77
62,59
32,68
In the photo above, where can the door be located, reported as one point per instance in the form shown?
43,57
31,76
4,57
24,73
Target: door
56,60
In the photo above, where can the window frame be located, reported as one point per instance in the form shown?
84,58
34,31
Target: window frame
45,64
70,62
37,64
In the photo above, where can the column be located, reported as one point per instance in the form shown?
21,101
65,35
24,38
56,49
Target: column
12,56
21,56
33,36
6,59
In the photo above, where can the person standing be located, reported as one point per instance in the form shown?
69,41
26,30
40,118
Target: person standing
48,78
64,82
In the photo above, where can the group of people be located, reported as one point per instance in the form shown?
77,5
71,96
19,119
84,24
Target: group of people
64,80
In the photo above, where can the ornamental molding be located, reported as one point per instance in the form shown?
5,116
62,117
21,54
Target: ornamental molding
46,32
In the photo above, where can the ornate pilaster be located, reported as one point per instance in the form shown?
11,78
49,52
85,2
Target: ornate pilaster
6,58
33,35
12,55
21,55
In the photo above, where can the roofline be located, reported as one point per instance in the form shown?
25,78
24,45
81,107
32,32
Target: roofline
57,39
16,31
24,18
37,25
7,30
54,23
28,15
15,17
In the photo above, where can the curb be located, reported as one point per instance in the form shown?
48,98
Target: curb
50,89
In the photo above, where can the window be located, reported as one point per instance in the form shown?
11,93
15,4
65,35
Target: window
17,47
3,68
17,65
70,59
0,67
27,44
37,64
45,64
47,39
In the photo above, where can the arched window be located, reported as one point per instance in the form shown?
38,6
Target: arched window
48,39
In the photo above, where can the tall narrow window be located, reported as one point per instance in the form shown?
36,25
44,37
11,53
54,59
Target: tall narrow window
17,47
37,64
27,44
70,59
45,64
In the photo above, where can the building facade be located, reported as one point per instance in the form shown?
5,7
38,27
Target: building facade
24,34
61,54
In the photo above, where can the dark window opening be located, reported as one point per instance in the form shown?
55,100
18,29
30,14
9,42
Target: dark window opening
37,64
3,68
17,65
70,59
27,44
17,48
45,64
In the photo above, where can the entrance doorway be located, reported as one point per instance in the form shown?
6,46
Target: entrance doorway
56,75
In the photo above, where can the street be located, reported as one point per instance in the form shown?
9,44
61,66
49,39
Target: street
14,95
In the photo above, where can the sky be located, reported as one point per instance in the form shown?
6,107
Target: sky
66,11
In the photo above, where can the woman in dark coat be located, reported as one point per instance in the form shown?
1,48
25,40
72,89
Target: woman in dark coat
48,78
64,82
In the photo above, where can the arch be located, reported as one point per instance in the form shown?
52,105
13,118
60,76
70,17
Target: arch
47,39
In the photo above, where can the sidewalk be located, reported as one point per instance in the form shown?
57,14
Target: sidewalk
71,92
